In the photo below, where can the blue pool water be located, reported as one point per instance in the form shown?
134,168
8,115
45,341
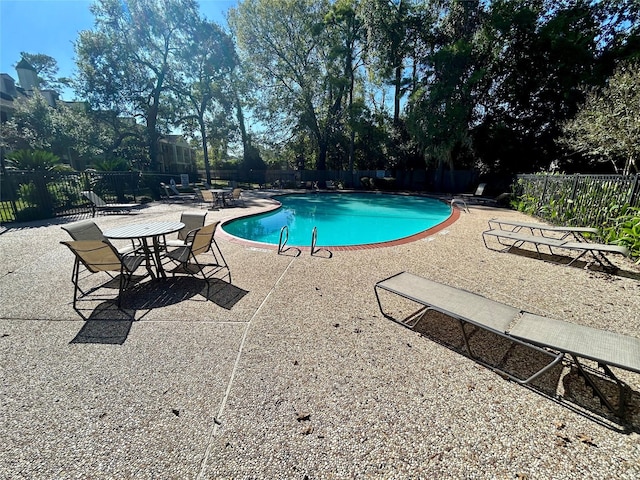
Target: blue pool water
342,219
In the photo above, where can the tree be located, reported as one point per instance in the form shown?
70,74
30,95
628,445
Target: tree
204,84
607,126
286,46
46,68
347,30
128,62
391,27
445,107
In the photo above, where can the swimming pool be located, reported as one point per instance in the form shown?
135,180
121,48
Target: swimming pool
342,219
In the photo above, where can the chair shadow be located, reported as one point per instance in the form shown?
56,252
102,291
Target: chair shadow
109,324
581,264
561,384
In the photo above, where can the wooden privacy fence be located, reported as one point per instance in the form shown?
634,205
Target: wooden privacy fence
584,200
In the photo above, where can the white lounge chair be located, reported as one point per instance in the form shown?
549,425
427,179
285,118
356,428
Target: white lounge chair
565,231
517,239
555,338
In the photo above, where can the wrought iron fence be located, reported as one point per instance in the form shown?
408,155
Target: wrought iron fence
28,196
581,200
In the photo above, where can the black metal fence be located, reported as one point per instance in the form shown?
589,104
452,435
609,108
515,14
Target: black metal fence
568,199
28,196
581,200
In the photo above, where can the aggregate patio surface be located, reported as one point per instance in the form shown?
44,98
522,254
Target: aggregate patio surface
290,370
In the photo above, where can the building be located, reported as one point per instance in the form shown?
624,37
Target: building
175,154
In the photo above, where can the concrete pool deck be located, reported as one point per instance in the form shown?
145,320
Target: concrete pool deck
290,371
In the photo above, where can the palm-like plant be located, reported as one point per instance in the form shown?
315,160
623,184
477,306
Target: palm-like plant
33,160
36,192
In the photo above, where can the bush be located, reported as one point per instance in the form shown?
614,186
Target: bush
625,231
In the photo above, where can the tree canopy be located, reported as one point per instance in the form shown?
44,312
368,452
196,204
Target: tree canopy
503,86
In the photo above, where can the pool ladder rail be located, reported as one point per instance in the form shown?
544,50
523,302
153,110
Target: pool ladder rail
284,238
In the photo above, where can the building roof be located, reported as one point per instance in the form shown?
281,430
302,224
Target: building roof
25,65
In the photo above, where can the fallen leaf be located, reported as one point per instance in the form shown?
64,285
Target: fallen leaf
559,424
586,439
303,417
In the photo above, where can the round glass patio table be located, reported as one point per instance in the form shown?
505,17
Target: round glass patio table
143,232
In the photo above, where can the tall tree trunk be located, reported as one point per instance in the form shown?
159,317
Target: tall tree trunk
205,150
243,129
398,94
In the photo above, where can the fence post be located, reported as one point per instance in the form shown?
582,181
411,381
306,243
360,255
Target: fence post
575,187
544,191
634,196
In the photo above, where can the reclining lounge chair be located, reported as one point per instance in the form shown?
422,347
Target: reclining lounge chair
98,204
565,231
555,338
517,239
172,194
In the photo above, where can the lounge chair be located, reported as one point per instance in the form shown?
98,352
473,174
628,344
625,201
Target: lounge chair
99,256
565,231
198,242
554,338
479,198
517,239
192,221
172,194
98,204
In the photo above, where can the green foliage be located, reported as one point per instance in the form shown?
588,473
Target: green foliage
32,160
625,230
607,127
112,165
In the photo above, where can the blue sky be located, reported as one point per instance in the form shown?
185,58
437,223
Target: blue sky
51,26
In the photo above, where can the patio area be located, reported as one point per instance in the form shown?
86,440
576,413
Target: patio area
291,371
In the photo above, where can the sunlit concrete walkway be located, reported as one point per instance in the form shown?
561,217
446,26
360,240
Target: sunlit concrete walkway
290,371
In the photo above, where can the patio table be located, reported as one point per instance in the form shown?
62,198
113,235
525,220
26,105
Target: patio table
145,232
219,194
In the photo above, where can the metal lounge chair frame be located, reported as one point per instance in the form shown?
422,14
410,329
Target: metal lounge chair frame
554,338
517,239
565,231
98,204
172,194
99,256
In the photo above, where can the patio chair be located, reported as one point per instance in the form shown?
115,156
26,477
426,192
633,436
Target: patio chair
88,230
554,338
192,221
98,204
236,196
208,197
188,258
99,256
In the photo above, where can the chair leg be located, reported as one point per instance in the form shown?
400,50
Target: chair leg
76,287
